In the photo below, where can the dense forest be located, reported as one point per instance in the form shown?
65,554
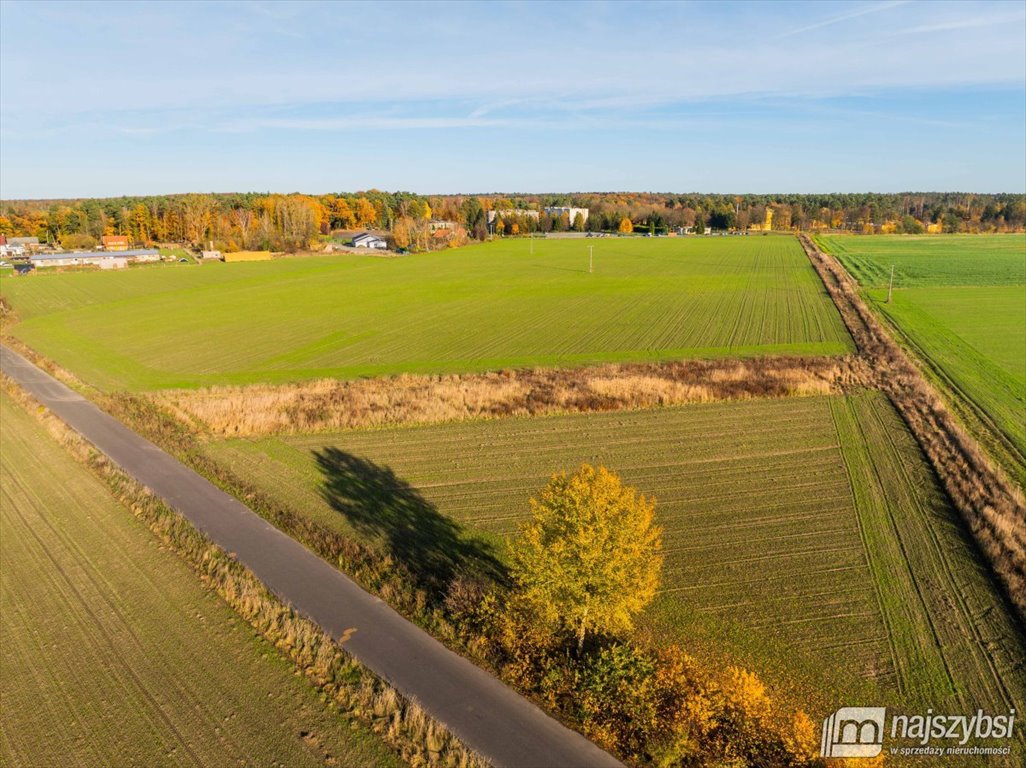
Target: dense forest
290,222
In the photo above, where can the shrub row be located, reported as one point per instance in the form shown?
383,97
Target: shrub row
653,705
991,505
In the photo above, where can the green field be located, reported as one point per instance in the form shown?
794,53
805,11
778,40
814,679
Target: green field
806,536
478,308
960,302
113,652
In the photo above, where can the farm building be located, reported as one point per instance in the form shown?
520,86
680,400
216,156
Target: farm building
367,240
114,242
248,256
100,259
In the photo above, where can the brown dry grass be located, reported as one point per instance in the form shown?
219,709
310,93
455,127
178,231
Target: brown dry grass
992,506
331,405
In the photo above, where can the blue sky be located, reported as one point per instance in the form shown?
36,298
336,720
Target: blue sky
103,99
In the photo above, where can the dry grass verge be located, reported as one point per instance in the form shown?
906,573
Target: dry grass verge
332,405
991,505
355,691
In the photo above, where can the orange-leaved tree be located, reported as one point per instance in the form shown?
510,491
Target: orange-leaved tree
589,558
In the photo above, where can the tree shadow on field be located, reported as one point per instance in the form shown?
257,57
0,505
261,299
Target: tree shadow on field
383,506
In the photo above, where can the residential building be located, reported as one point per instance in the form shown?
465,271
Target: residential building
27,243
558,210
513,213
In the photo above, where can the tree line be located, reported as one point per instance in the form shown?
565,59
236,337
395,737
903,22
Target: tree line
291,222
230,221
908,213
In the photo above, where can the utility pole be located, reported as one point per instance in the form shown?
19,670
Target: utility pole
591,259
890,287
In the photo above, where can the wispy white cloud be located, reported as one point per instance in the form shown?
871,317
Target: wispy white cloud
360,122
972,22
855,13
486,75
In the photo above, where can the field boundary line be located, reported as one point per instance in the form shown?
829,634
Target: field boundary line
991,506
958,399
945,567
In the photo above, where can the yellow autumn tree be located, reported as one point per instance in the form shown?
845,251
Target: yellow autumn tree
626,226
589,558
365,212
401,232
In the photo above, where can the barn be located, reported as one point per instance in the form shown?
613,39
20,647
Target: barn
367,240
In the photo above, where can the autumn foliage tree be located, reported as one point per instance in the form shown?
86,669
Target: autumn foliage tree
626,227
589,558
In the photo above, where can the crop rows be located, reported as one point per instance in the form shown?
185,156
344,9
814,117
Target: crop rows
932,260
960,304
480,308
777,511
113,653
765,517
950,639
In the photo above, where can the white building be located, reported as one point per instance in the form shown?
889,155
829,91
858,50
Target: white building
558,210
513,213
101,259
367,240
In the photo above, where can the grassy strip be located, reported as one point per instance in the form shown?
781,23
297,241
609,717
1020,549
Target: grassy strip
992,507
417,738
333,405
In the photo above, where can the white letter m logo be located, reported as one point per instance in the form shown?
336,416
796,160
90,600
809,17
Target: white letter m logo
854,732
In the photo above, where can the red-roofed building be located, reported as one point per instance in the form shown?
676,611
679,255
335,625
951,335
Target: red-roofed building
115,242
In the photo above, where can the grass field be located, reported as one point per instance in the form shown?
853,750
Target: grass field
960,302
806,537
478,308
113,652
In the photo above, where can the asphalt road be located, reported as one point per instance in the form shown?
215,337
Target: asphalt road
502,726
